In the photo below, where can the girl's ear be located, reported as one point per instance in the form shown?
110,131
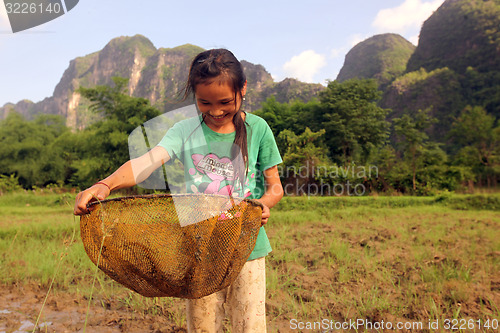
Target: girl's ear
244,89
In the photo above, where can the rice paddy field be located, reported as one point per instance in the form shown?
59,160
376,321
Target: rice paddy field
339,264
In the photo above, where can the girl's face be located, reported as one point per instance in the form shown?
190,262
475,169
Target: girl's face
218,104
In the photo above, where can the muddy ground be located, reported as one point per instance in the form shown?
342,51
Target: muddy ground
63,312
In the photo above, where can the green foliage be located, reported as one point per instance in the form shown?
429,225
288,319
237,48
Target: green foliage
412,129
302,155
301,149
477,129
9,184
105,143
309,134
439,90
482,88
354,123
287,116
324,206
28,150
478,134
405,81
418,166
412,132
470,202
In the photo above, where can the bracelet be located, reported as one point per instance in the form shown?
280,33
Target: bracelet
109,188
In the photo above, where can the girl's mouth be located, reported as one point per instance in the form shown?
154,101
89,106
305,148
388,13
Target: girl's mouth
219,117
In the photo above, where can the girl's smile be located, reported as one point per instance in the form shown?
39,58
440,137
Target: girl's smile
218,118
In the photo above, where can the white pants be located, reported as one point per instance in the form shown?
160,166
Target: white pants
244,301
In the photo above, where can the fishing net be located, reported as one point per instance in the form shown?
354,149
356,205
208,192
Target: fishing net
186,246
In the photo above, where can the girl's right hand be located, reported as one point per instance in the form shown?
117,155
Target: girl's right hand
93,193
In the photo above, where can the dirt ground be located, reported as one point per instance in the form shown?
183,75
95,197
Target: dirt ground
304,287
20,307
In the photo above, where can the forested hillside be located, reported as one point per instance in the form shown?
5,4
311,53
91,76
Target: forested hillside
381,57
426,116
456,64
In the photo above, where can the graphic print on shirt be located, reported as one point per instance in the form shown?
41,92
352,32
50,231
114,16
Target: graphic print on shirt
220,171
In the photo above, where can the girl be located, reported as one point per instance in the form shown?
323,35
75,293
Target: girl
224,151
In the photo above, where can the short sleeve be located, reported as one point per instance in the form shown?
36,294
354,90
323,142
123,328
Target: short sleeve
172,141
269,154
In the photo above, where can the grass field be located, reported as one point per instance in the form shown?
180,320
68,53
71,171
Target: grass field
420,262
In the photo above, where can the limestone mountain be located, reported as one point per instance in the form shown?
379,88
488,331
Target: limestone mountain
456,63
459,35
382,57
156,74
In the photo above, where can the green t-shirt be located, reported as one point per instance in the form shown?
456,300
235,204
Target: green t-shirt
211,167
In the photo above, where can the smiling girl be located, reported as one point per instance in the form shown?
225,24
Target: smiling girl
224,151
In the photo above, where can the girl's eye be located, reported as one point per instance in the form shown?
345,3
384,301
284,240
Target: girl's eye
226,102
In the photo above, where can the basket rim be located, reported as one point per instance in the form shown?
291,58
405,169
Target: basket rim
166,195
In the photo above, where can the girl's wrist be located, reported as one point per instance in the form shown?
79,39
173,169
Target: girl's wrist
103,183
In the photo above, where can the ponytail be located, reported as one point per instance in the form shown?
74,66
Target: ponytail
240,146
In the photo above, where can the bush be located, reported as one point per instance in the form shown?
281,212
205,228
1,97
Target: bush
9,184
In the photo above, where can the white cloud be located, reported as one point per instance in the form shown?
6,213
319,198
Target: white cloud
408,16
304,66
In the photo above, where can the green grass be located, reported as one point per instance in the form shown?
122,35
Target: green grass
398,258
376,258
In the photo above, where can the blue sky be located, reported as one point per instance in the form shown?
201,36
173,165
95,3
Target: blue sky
307,40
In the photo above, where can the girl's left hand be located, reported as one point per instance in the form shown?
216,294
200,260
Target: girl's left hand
265,215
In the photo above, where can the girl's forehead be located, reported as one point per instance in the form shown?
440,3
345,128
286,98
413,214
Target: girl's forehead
214,89
219,79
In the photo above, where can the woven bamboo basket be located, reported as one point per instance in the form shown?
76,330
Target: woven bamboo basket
186,246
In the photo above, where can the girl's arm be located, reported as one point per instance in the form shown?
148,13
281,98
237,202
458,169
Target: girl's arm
274,192
129,174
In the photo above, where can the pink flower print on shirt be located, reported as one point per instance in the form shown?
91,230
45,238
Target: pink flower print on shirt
218,170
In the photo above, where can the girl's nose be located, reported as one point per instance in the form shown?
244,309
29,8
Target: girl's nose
216,113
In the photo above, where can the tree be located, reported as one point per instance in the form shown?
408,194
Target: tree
27,149
302,155
294,116
106,141
414,138
303,149
475,130
353,122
